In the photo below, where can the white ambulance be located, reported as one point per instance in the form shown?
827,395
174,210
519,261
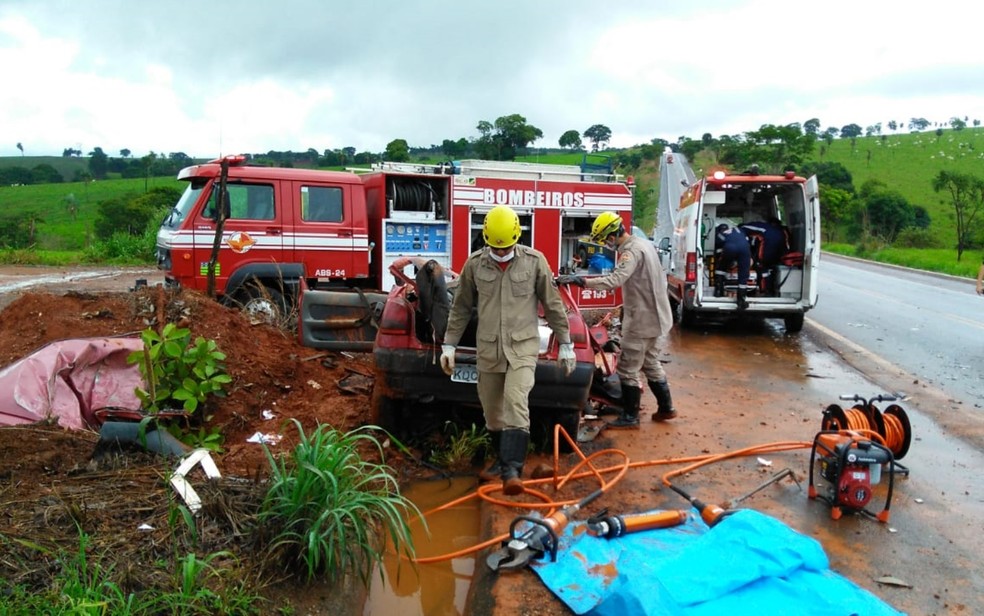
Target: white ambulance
691,208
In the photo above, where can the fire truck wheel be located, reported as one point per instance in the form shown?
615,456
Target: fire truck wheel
262,303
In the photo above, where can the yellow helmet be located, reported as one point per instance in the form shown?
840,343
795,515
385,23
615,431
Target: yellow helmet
604,225
501,228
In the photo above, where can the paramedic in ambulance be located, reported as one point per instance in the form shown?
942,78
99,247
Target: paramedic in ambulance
646,316
768,241
505,282
731,248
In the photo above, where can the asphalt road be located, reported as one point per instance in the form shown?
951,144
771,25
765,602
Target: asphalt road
931,326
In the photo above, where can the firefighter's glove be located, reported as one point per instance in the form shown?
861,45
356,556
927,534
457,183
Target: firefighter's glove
566,358
570,279
447,358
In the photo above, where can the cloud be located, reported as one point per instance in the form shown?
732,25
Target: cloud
255,76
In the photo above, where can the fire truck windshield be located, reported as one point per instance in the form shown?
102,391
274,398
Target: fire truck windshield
180,211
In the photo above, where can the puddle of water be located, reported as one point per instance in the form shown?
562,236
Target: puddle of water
433,588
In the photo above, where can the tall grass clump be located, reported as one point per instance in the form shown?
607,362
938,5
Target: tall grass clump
328,511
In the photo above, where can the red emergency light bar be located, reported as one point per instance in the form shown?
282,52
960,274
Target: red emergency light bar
233,160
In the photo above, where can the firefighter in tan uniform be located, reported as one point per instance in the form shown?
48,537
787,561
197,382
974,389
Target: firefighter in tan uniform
506,282
646,315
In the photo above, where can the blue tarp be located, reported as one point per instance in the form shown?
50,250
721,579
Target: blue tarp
749,563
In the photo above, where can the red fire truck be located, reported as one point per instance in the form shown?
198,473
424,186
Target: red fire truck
286,230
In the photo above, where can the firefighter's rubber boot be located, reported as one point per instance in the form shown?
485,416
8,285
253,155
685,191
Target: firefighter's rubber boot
718,285
494,470
664,402
629,417
512,456
742,298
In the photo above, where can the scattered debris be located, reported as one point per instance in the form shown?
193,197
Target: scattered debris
266,439
893,581
356,383
181,485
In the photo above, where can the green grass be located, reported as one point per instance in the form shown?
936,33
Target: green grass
940,260
59,229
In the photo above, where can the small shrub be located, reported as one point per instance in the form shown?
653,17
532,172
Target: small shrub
176,372
461,446
913,237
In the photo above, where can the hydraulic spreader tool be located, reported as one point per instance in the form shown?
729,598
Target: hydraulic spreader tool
543,536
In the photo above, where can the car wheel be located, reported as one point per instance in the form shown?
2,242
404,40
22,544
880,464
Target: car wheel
542,428
794,323
385,412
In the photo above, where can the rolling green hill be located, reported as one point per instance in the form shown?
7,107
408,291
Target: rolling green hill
65,213
909,162
68,166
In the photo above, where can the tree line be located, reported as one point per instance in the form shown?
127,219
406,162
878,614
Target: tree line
873,211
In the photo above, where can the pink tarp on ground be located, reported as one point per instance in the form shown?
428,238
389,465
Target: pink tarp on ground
69,380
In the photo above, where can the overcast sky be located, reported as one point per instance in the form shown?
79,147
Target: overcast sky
208,78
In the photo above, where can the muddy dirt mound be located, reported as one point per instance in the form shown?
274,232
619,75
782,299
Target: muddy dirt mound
272,373
52,486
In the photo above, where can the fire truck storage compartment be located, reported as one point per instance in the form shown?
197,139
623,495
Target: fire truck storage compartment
417,197
575,249
478,224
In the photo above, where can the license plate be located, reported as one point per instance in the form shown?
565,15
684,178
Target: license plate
465,373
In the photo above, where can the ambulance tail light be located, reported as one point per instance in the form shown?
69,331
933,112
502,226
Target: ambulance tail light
691,268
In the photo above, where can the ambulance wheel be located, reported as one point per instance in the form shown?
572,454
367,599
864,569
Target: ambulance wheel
794,323
261,303
675,310
688,317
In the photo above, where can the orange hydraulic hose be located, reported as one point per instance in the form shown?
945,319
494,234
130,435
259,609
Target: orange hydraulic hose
894,433
747,451
485,492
